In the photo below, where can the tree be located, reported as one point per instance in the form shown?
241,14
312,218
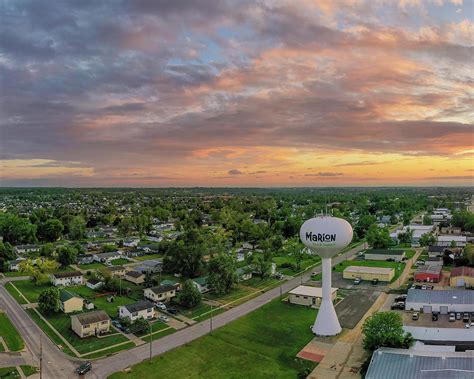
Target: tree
16,230
125,226
427,239
50,230
452,244
77,228
48,301
39,269
385,329
406,236
427,220
150,281
294,249
378,238
469,253
261,265
189,296
6,251
46,250
67,255
222,273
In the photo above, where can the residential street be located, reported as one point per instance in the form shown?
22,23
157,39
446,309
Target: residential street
58,365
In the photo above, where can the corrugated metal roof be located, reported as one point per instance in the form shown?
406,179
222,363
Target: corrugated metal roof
403,364
440,296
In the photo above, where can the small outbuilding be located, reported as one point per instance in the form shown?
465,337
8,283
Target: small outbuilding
383,274
308,296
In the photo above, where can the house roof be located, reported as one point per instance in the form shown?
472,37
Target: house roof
451,237
462,271
162,288
309,291
202,280
94,281
134,274
138,306
440,296
116,268
67,274
66,295
385,251
436,249
389,363
91,317
429,269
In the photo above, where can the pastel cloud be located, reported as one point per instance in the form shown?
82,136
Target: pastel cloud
164,93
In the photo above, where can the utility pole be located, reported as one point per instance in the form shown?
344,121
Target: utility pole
281,292
41,356
210,332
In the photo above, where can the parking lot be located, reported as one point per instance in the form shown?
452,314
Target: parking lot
339,282
425,320
354,306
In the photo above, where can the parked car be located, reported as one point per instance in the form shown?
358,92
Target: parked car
390,260
84,368
401,298
357,281
465,317
163,318
452,317
423,287
375,281
399,305
434,317
415,316
172,310
161,306
458,316
420,263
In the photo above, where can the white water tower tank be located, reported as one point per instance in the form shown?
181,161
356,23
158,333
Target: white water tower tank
326,236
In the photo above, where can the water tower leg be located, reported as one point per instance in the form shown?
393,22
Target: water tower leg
326,323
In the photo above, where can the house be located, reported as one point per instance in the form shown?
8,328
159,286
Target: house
131,242
462,276
434,261
14,265
448,240
201,284
152,266
134,277
141,309
451,230
94,284
435,363
85,259
90,324
107,257
161,293
383,274
384,254
25,249
244,273
134,253
70,302
70,278
436,251
442,301
308,296
173,283
428,273
117,271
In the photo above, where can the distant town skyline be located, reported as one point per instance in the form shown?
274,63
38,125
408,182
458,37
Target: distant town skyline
237,93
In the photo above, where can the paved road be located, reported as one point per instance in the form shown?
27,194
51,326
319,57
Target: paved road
58,365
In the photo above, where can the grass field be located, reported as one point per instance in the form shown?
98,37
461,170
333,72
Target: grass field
262,344
14,293
304,264
29,370
119,262
397,266
235,294
259,283
110,351
10,335
30,290
8,373
92,266
410,253
150,256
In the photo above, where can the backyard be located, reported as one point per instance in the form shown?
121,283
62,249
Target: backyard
262,344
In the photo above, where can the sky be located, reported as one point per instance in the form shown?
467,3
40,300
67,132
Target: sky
236,93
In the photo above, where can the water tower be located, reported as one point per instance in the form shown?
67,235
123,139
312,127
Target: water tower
326,236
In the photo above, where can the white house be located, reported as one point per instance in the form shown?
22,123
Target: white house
132,242
161,293
201,284
14,265
107,257
72,278
94,284
141,309
24,249
309,296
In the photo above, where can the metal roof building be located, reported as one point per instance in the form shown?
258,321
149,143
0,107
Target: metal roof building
441,301
389,363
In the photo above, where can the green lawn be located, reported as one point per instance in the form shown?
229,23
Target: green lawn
307,261
197,311
150,256
410,253
92,266
110,351
62,323
343,265
119,262
262,344
233,295
9,373
15,293
30,290
259,283
12,274
10,335
29,370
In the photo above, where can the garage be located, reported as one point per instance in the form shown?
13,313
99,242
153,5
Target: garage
426,308
443,309
460,282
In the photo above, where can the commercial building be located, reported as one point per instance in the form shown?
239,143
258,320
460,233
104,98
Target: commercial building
428,273
141,309
161,293
434,261
90,324
384,254
308,296
418,231
462,276
442,301
70,302
384,274
72,278
450,239
431,363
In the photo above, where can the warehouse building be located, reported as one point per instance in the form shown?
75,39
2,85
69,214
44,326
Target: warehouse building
429,301
309,296
390,363
462,276
428,273
384,254
384,274
447,240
